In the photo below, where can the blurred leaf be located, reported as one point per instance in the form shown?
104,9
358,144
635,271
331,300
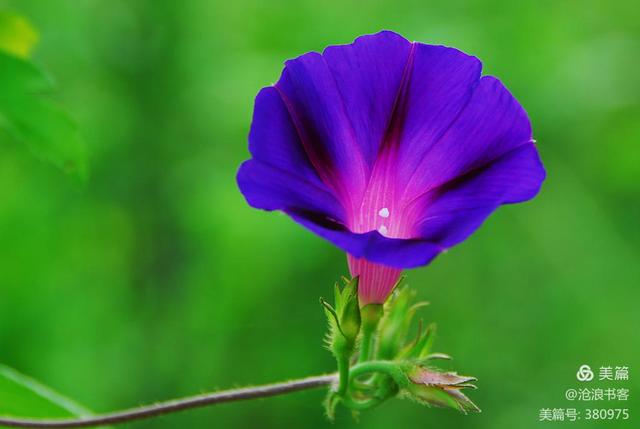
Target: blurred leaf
17,36
32,118
25,397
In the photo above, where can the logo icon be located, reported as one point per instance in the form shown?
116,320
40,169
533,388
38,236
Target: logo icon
584,373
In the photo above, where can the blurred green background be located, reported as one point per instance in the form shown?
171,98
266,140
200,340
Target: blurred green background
157,280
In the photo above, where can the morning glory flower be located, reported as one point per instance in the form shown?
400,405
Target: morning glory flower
392,150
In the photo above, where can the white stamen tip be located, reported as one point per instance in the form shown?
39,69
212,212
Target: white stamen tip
384,212
383,230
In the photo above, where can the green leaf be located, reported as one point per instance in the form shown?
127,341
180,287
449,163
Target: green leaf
22,396
30,117
17,36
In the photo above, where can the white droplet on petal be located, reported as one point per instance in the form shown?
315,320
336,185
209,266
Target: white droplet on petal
383,230
384,212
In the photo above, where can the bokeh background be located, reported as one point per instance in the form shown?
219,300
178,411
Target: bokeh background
157,280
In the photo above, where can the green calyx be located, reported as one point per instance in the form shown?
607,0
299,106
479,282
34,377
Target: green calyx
393,361
344,327
344,317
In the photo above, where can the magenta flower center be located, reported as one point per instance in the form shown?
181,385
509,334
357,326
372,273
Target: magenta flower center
381,210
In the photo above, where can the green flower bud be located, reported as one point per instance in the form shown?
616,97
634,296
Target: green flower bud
439,389
399,313
344,319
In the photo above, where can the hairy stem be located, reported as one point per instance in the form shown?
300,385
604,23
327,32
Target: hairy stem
176,405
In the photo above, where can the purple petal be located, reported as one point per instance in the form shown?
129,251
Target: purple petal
491,124
273,138
369,74
440,86
280,176
393,252
317,110
270,188
450,214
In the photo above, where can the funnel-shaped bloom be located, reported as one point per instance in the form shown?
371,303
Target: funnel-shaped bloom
391,150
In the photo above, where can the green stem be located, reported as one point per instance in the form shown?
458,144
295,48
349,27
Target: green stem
343,373
351,403
342,350
370,315
386,367
365,346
